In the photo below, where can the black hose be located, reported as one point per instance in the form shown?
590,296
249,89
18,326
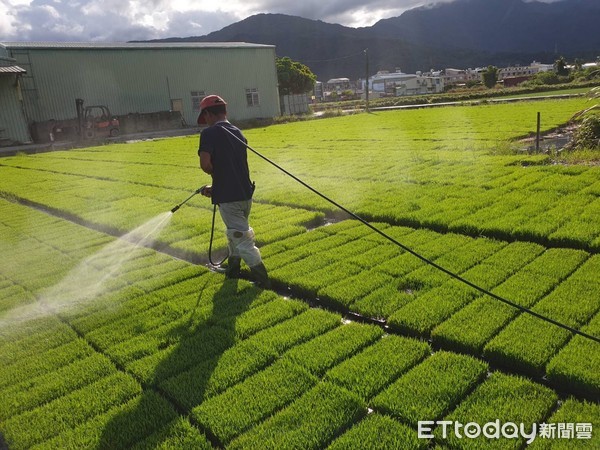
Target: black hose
422,258
212,228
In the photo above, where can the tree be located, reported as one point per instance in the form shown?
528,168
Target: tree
542,78
294,77
490,76
547,77
560,67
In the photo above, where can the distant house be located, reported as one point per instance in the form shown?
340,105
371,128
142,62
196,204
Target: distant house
515,71
338,85
400,84
512,75
542,67
460,76
519,72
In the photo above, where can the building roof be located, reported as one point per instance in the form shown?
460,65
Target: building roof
12,69
392,76
129,45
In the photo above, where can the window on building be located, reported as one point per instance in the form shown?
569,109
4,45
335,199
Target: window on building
252,98
197,97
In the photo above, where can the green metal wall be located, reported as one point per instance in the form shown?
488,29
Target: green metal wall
13,126
143,80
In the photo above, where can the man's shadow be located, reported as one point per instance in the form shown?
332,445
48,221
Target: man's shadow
181,380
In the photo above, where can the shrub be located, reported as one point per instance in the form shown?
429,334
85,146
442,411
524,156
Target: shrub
587,136
542,78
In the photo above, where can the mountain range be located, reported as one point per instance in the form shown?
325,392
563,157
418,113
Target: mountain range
460,34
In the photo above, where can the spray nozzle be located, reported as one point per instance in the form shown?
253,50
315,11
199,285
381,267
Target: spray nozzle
200,190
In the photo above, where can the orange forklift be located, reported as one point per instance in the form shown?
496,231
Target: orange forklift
95,121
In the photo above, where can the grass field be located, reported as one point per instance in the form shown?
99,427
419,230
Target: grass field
108,345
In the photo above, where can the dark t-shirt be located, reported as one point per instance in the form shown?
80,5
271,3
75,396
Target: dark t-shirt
230,177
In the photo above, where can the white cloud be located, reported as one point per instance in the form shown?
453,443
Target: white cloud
7,15
6,26
365,18
52,12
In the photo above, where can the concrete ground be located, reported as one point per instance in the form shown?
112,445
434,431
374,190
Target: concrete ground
68,145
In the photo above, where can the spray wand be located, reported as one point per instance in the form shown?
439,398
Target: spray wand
200,190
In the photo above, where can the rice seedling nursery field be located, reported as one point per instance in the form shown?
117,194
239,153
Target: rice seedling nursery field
104,344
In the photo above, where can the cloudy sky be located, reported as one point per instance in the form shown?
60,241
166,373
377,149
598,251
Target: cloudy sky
125,20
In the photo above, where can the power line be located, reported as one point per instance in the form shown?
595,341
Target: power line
333,59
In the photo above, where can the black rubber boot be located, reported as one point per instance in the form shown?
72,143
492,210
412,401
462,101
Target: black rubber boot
233,267
261,278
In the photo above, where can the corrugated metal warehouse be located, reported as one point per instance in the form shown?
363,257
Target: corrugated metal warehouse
144,78
13,126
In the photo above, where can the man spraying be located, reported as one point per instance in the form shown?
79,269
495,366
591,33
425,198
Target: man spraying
223,156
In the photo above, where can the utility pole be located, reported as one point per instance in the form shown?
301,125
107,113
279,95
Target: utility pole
537,134
367,77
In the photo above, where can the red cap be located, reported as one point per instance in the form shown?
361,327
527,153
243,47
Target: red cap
207,102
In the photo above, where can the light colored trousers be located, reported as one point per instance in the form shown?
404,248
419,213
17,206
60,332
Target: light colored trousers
240,236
